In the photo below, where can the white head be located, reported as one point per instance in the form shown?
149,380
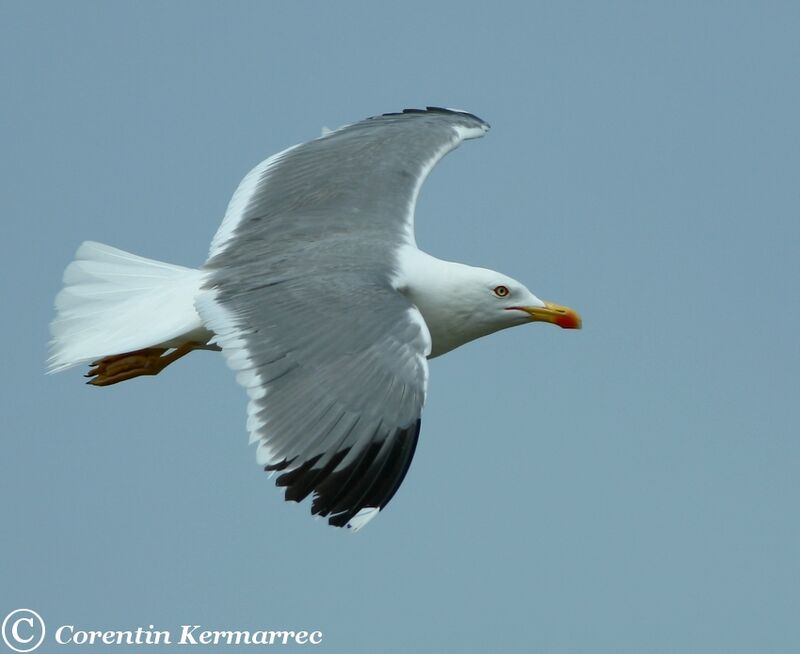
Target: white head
461,303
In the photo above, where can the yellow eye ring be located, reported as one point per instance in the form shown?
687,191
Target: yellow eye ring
501,291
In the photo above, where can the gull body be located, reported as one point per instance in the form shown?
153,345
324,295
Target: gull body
318,297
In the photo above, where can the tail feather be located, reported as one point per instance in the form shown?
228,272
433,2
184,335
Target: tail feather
115,302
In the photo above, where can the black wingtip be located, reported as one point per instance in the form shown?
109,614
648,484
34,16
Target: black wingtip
438,110
273,467
371,480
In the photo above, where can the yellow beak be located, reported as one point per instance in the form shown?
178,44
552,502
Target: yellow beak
556,314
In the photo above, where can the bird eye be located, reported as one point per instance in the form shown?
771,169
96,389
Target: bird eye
501,291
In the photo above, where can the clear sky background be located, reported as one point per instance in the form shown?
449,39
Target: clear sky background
633,487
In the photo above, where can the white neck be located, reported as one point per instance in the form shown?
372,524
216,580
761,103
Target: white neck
434,287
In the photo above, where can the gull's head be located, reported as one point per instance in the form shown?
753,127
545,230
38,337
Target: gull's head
500,301
461,303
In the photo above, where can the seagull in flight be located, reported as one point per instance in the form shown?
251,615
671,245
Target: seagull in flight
319,299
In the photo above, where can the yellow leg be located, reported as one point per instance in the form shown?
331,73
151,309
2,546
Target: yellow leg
121,367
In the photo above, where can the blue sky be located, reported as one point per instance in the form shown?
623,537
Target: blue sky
632,487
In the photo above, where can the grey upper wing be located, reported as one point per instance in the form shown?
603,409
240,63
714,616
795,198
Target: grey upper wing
300,297
362,179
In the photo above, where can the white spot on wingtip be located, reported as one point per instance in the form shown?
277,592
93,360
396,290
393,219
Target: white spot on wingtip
360,519
466,133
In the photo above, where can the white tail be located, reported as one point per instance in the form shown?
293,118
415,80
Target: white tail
115,302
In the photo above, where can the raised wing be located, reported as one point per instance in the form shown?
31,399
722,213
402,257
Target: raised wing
362,178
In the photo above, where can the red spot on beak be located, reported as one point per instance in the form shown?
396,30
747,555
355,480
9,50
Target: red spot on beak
555,314
569,320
